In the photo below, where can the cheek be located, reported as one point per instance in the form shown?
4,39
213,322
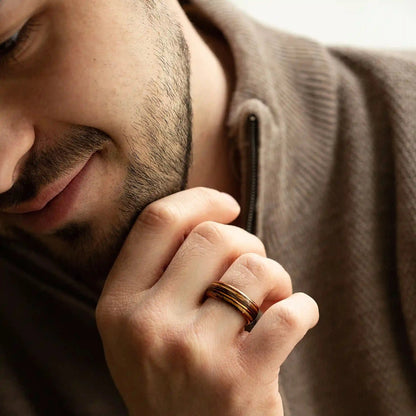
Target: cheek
90,85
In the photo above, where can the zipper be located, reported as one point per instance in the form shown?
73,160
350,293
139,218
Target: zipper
252,132
252,135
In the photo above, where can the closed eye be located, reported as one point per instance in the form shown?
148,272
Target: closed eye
10,49
9,44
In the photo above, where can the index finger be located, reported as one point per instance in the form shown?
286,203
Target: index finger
158,233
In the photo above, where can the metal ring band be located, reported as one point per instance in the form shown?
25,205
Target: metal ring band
234,297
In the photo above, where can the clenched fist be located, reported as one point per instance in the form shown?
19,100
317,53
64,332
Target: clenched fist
172,351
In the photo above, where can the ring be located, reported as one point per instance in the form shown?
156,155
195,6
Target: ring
234,297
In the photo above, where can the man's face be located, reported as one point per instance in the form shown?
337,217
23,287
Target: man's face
95,122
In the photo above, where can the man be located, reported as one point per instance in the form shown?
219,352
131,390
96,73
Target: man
109,111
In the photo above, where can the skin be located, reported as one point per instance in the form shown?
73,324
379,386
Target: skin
49,111
122,80
41,112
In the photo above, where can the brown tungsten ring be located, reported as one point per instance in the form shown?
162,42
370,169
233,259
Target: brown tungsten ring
235,298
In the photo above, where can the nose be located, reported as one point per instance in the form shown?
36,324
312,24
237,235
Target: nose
16,139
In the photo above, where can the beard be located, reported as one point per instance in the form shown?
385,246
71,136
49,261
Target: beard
159,161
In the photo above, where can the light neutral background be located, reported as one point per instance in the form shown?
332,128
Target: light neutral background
369,23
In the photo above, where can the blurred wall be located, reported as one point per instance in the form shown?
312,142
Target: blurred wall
370,23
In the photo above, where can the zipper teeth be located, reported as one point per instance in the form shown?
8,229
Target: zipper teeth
252,132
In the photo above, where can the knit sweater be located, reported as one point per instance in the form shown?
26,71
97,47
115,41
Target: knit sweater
335,201
336,206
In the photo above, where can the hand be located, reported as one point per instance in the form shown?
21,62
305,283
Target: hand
173,352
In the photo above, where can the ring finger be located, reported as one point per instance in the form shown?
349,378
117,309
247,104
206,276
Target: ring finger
263,280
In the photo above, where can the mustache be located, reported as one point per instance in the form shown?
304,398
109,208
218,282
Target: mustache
48,165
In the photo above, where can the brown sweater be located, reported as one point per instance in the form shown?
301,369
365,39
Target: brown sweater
335,205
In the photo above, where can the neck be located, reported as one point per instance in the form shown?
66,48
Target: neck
212,83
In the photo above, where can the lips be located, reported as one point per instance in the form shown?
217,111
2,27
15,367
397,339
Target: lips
52,205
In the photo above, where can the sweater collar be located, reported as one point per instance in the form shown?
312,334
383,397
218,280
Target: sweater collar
251,119
239,30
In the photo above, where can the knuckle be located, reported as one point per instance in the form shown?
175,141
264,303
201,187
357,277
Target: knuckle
289,319
313,307
253,264
207,194
281,270
182,346
263,269
260,246
257,245
159,214
282,274
106,316
208,233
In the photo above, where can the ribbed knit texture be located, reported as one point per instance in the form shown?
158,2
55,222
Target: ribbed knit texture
336,207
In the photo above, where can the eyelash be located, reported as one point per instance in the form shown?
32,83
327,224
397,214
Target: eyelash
9,49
